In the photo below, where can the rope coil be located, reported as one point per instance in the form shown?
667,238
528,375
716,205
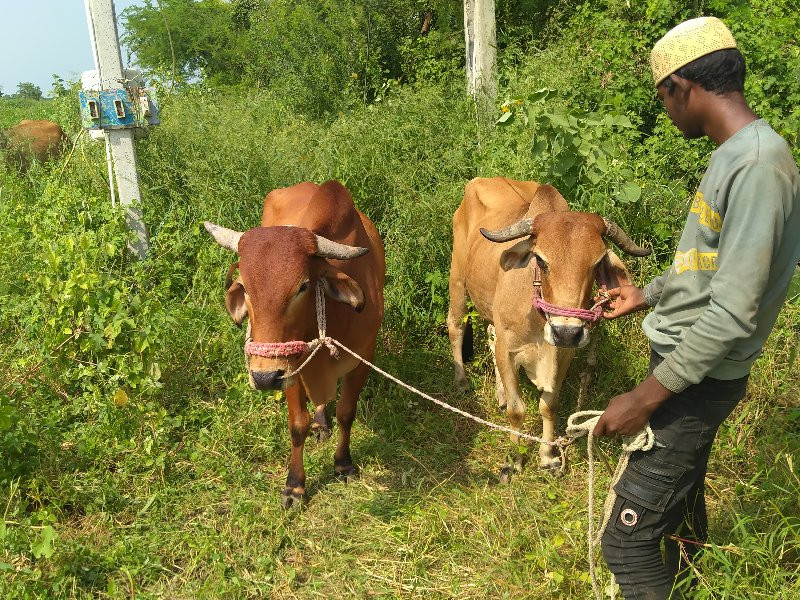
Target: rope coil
644,441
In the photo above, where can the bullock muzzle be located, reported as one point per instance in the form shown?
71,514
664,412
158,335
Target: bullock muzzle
567,336
566,333
268,380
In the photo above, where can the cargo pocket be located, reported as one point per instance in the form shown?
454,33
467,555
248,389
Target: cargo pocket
645,491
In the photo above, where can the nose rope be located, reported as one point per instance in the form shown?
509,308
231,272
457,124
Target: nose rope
592,315
293,348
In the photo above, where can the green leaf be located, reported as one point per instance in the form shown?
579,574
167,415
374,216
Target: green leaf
44,545
541,95
505,119
558,119
629,192
539,146
623,121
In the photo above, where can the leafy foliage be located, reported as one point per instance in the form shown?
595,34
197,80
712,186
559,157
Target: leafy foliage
135,459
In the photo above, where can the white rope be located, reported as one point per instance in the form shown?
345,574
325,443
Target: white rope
331,343
561,442
643,440
110,170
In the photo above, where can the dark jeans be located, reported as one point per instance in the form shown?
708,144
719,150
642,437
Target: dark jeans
662,490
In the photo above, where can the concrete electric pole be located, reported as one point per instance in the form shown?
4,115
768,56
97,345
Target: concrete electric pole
108,61
481,46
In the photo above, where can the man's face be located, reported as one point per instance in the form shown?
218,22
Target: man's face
679,107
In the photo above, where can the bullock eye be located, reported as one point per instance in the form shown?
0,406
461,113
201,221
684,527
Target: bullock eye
541,263
303,288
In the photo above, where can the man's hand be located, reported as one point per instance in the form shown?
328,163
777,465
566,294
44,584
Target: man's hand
628,413
624,300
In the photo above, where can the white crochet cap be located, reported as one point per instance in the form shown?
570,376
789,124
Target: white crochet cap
686,42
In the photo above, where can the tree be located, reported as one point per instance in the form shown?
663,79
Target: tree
26,89
60,87
187,38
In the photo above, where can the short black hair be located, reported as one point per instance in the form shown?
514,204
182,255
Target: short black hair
721,72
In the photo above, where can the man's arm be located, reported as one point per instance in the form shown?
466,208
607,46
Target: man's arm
628,299
751,231
652,291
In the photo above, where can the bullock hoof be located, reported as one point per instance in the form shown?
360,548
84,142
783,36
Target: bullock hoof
500,394
506,471
291,500
346,474
321,433
461,385
552,464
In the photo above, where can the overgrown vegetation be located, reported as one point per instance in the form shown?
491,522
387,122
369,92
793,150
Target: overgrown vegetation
134,458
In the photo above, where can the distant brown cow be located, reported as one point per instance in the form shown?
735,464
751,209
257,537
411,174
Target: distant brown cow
309,234
540,248
30,141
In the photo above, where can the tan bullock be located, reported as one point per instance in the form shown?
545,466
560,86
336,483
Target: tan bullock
30,141
529,233
310,234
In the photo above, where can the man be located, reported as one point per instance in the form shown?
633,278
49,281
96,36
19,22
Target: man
714,307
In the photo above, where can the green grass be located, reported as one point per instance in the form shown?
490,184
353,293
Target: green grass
174,491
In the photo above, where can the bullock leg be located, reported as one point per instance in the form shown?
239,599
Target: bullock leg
500,393
299,423
343,466
555,365
515,406
455,324
321,427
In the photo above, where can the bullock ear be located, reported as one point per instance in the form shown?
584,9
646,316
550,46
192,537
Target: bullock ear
342,288
518,256
612,272
234,302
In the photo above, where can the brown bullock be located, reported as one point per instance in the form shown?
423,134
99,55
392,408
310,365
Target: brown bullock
30,141
309,234
496,270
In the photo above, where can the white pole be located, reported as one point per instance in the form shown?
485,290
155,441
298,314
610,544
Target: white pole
102,22
481,47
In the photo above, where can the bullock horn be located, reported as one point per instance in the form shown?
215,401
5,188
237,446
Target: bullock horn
615,233
328,249
512,232
227,238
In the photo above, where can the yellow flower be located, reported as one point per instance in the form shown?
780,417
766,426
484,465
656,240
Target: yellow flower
120,397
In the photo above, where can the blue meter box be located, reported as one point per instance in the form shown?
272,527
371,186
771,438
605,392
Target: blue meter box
121,108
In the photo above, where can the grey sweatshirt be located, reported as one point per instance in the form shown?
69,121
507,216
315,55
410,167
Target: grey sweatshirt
718,301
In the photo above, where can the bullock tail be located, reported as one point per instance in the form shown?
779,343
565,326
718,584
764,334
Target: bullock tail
467,346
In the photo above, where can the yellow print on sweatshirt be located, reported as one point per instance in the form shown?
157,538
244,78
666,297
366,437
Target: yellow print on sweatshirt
692,260
708,216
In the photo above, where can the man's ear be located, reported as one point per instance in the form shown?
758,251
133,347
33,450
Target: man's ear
681,88
342,288
518,256
612,272
235,303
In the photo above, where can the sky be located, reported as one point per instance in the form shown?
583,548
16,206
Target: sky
42,37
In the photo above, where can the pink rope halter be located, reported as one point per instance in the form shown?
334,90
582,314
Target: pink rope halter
275,349
295,347
592,315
